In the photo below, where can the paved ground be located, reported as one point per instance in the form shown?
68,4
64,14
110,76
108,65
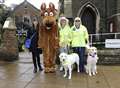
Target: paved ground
20,74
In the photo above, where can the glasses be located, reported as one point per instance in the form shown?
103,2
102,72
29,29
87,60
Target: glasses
77,20
63,20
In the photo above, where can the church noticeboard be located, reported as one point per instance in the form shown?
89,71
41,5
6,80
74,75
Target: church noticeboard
112,43
2,1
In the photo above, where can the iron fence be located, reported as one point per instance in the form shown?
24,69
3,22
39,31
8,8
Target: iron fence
99,38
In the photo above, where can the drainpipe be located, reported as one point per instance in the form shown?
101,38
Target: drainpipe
106,12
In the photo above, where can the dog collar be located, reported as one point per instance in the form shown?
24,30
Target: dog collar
92,55
66,63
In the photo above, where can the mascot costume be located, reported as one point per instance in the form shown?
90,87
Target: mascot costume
48,36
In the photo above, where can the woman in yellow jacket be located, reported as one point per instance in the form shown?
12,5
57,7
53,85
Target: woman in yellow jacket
64,34
79,40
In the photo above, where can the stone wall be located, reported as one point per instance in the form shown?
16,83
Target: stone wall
9,47
109,56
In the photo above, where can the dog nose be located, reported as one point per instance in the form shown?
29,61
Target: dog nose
63,59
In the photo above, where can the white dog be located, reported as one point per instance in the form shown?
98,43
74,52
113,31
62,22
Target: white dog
91,67
67,62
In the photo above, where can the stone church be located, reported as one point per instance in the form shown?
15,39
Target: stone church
99,16
25,13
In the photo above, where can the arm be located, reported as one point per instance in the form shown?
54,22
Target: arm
40,37
86,36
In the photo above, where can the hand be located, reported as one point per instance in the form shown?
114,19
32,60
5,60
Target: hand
87,46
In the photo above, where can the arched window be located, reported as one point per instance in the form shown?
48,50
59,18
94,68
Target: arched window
88,18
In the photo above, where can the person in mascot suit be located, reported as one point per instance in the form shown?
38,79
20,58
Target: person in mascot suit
48,36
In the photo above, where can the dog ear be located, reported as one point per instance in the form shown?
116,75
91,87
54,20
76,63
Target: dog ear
43,8
60,56
51,6
87,46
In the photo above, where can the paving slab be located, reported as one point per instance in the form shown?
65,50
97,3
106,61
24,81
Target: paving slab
19,74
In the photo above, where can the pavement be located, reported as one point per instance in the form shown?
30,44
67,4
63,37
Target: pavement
19,74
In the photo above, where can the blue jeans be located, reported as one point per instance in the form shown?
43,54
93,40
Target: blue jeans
81,52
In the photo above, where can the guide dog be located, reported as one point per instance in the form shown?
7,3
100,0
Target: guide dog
67,61
92,58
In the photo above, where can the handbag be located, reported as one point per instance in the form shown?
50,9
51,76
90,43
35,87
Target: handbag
39,50
28,41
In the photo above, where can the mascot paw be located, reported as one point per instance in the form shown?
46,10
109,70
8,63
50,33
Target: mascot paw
49,70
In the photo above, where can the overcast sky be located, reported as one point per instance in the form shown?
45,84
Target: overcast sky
36,3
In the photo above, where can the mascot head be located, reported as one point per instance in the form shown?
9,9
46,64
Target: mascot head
48,15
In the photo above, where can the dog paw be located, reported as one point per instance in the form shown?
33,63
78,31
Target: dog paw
96,72
90,74
69,77
64,76
61,68
93,73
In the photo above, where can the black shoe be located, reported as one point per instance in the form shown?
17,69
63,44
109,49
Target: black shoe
40,69
82,71
35,70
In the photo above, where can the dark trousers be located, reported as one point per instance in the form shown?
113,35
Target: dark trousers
36,60
81,52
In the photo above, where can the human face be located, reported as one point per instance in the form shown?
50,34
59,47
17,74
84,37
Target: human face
77,23
63,23
35,24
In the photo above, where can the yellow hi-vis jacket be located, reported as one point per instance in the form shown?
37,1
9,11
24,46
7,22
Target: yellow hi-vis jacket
64,35
79,36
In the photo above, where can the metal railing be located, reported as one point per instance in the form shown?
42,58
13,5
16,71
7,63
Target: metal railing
100,38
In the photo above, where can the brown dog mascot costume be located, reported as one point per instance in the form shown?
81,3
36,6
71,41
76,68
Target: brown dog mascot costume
48,36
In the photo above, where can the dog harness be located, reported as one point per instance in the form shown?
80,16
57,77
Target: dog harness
66,62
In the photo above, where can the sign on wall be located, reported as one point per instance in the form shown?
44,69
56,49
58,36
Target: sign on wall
2,1
112,43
